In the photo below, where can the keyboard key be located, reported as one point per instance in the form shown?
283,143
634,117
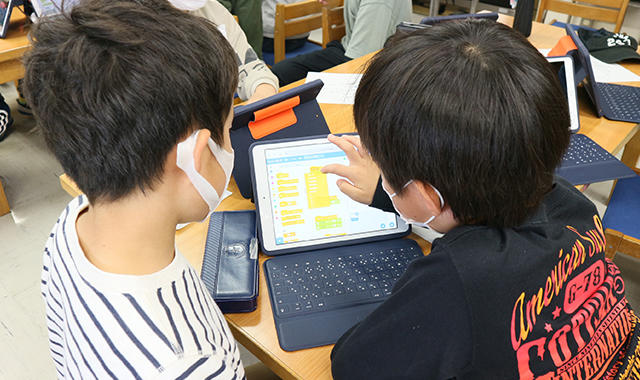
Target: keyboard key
347,298
286,299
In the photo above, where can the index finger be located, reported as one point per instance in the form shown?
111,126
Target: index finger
339,170
347,147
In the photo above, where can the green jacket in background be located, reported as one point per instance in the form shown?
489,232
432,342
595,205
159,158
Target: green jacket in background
249,14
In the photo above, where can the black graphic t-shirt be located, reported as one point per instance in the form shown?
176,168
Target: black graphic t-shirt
539,301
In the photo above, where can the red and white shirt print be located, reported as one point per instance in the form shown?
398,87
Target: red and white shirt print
577,324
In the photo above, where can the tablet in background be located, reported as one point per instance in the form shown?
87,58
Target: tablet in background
584,161
5,16
438,19
564,68
300,208
613,101
427,22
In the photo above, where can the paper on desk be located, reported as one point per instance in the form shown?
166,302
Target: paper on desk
611,72
606,72
338,88
224,196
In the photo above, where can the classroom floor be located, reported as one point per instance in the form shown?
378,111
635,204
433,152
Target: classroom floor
29,173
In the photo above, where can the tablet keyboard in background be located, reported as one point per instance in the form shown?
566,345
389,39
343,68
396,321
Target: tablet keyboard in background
583,151
313,292
587,162
623,101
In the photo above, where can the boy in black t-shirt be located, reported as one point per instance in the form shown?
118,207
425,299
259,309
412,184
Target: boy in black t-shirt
467,122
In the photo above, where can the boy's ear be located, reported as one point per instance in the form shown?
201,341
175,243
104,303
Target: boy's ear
201,144
432,200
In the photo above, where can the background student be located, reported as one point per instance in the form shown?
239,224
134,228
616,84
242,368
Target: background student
467,123
140,121
368,25
256,81
249,14
268,24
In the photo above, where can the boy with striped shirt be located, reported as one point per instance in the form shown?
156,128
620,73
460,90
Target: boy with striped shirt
134,99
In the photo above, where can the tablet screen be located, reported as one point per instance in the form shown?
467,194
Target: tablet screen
306,204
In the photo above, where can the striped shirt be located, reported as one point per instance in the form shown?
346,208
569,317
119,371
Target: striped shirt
104,325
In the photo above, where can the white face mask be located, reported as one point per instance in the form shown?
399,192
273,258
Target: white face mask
409,220
185,162
188,5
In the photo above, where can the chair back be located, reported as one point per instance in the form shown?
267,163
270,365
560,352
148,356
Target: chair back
333,27
612,11
294,19
619,243
625,253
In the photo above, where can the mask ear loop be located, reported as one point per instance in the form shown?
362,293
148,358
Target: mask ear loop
411,221
439,196
185,161
426,224
224,158
394,194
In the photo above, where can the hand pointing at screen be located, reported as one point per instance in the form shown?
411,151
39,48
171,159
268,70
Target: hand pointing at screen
361,176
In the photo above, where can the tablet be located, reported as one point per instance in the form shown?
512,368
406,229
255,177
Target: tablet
432,20
563,66
300,208
6,7
409,27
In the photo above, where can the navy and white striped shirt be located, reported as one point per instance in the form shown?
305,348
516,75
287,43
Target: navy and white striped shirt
104,325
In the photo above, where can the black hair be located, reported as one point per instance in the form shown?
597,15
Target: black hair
114,85
472,108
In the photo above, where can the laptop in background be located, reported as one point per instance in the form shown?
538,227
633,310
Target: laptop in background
613,101
585,161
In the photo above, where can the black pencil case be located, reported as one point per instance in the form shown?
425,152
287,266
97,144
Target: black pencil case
230,264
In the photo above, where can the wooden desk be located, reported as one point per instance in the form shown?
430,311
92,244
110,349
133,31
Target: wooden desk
13,47
256,330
